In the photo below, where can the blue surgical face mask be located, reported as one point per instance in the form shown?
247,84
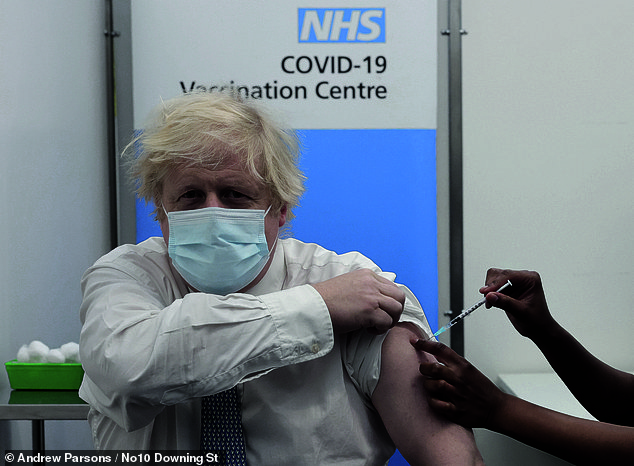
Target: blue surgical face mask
218,250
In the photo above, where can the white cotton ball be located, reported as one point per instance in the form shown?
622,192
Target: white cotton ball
70,351
55,356
37,351
23,354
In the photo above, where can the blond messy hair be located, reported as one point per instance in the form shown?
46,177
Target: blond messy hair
204,129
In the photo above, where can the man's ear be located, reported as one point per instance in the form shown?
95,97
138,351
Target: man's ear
283,211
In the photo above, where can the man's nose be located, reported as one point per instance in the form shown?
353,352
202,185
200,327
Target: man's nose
213,200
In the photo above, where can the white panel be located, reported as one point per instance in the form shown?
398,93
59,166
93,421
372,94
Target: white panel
196,45
548,140
54,179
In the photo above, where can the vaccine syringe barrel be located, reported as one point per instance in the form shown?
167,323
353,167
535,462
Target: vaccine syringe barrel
468,311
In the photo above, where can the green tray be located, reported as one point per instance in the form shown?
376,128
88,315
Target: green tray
44,376
46,397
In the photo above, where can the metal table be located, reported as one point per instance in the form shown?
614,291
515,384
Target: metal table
38,406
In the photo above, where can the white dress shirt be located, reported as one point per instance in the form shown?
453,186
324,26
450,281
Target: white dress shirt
151,348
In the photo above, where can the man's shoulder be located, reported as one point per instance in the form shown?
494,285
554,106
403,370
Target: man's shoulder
311,255
151,251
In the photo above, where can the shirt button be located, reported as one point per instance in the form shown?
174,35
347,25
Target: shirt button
315,348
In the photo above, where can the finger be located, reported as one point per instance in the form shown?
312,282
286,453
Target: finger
442,352
439,377
445,407
387,286
492,295
495,278
433,370
384,279
381,322
429,346
391,301
391,308
436,381
391,290
499,300
440,389
510,304
521,280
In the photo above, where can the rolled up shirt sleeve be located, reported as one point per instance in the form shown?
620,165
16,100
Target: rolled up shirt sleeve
362,357
140,354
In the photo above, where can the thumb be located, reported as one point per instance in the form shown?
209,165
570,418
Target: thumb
509,305
499,300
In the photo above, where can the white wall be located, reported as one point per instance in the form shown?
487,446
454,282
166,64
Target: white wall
53,169
548,164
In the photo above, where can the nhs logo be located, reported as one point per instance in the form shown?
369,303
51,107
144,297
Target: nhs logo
341,24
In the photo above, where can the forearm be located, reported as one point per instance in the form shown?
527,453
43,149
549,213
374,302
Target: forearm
212,340
603,390
137,355
579,441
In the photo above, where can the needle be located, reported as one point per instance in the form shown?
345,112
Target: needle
466,312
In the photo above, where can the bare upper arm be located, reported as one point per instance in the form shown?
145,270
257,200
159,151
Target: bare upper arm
422,437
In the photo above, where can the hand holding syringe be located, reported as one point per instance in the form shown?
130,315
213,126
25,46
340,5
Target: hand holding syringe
466,312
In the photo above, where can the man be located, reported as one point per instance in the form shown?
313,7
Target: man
317,344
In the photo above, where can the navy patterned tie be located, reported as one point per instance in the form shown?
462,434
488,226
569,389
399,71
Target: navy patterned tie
221,427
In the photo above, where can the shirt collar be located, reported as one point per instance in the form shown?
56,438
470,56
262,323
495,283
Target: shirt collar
273,280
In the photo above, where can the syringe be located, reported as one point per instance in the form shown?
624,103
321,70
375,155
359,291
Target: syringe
466,312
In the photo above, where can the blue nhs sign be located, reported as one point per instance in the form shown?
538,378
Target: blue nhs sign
341,24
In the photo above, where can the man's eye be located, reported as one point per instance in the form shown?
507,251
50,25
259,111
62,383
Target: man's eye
231,194
190,199
234,199
192,194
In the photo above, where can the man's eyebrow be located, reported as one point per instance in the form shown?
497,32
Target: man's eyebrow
185,185
241,179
